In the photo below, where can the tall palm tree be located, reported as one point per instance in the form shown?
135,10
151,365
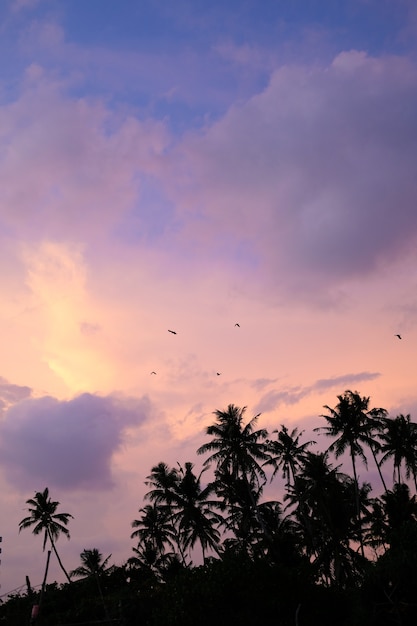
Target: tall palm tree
352,424
289,454
327,496
399,441
236,447
44,519
238,450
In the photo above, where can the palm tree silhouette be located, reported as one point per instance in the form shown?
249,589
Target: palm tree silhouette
352,424
399,441
194,514
328,496
287,453
93,566
44,519
154,528
164,482
185,507
237,452
235,447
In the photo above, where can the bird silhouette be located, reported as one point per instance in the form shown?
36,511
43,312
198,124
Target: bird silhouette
218,373
172,331
237,324
153,372
399,336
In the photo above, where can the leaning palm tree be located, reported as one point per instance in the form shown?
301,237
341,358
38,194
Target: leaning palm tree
44,519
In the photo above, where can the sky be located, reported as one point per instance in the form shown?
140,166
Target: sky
191,166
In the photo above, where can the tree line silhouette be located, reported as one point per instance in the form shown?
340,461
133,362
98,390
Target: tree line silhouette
327,551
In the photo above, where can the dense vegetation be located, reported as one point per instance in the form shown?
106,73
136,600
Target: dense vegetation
328,552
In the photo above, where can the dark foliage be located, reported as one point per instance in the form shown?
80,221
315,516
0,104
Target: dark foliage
332,555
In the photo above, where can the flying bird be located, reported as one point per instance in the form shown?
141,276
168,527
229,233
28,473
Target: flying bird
218,373
237,324
172,331
399,336
153,372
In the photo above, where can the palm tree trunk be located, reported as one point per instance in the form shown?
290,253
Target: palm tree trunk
43,585
96,576
378,467
57,556
358,512
257,515
303,513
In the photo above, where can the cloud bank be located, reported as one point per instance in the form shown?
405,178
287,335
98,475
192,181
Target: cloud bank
316,175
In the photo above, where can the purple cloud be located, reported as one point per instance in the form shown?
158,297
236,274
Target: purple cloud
67,444
317,174
10,393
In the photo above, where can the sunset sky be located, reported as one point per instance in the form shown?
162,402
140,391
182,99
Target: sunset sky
188,166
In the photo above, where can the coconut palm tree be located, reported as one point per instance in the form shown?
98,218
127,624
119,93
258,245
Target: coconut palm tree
287,453
44,519
400,508
93,566
148,561
352,424
327,496
238,451
399,442
236,447
240,508
154,527
194,515
186,505
375,534
164,482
